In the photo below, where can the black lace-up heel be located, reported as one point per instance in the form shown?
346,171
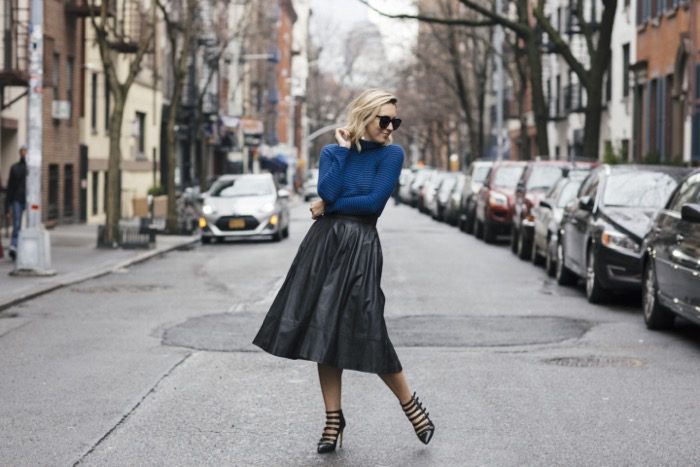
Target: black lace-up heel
418,417
333,432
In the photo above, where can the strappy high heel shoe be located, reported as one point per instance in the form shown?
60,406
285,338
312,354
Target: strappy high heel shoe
333,432
418,417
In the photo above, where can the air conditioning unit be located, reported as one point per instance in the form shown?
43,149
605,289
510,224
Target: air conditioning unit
60,110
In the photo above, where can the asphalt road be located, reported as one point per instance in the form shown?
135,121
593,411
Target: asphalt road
154,366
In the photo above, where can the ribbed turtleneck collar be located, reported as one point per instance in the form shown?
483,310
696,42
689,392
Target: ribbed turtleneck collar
365,144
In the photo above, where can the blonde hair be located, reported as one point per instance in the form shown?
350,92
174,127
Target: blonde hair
363,110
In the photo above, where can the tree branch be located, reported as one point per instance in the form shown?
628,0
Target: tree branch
431,19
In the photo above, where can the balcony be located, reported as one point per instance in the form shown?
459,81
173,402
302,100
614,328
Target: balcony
14,61
85,8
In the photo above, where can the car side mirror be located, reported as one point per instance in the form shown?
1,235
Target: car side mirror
545,204
585,203
690,212
283,193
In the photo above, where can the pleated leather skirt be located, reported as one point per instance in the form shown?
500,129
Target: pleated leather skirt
330,308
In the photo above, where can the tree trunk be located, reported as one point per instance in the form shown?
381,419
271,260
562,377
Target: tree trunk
113,201
539,106
594,110
172,219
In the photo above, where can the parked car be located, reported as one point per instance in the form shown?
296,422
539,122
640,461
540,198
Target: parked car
495,200
671,261
476,175
244,206
405,180
451,215
602,231
311,184
442,195
429,191
536,180
417,183
548,216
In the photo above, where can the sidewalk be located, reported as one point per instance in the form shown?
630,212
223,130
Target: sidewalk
75,258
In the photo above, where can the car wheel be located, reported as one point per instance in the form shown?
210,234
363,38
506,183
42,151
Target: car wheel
489,234
460,223
524,249
478,229
206,240
470,223
550,261
595,292
535,255
285,232
656,316
513,240
563,274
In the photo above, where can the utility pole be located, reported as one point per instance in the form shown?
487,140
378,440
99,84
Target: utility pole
499,85
34,252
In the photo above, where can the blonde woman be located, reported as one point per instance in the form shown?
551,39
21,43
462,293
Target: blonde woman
330,309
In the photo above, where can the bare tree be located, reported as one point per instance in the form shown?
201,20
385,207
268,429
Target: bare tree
120,35
180,23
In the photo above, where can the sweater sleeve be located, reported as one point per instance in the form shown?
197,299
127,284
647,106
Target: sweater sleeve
330,172
384,183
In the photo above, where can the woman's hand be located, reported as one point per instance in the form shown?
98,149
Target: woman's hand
317,209
342,136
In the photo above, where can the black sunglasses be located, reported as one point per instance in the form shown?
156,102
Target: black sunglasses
385,120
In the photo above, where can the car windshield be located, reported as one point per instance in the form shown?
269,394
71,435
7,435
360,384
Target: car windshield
638,189
480,173
448,184
568,192
507,177
543,177
242,187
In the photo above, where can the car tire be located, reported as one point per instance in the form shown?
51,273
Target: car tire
595,292
478,229
460,223
524,248
285,232
513,240
550,262
563,274
277,237
470,223
489,234
656,316
535,255
206,240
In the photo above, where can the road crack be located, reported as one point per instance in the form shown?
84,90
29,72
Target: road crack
126,416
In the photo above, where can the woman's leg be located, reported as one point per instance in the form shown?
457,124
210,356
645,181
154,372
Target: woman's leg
330,379
398,385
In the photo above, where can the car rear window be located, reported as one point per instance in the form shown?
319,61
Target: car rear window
543,177
507,177
638,189
242,187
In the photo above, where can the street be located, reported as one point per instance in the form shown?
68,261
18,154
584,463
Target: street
153,365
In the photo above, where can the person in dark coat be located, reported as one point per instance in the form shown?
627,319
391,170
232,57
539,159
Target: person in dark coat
16,197
330,309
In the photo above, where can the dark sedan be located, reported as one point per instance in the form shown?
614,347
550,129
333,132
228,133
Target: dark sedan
602,230
548,216
671,263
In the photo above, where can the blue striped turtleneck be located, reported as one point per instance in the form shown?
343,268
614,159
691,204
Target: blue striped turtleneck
358,183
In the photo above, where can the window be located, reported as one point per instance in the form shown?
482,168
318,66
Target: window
69,87
93,103
106,103
608,80
625,70
140,135
105,177
95,191
68,190
689,192
52,212
55,73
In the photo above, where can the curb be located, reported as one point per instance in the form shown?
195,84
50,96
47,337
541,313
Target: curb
95,274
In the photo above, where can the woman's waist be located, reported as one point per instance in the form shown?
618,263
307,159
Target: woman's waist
370,219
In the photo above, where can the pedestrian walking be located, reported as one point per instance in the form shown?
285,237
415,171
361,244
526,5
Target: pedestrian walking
330,309
16,197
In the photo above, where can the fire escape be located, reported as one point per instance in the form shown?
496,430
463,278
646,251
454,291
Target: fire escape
124,17
14,68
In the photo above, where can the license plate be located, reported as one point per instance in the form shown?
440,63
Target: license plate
236,224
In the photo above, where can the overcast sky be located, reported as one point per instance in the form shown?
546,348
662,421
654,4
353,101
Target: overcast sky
332,19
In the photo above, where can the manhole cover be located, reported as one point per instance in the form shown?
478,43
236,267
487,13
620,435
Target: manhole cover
128,288
594,361
233,332
483,331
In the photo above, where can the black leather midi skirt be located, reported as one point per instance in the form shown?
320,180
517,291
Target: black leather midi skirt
330,308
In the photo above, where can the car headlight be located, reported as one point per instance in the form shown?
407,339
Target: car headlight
498,199
613,239
208,209
267,208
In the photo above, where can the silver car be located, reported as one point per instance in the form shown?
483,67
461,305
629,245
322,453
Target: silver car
311,185
244,206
